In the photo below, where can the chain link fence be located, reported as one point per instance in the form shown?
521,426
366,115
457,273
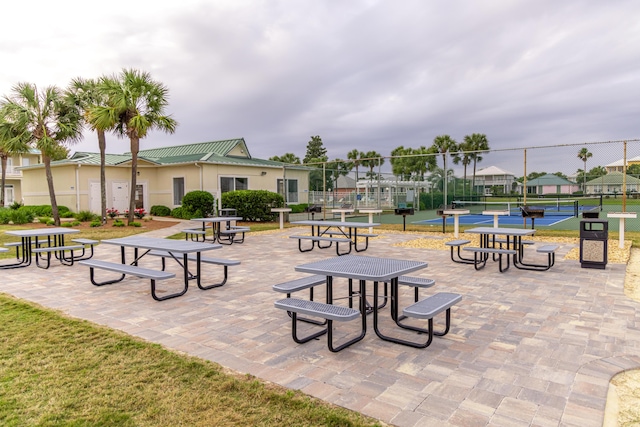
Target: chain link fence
605,174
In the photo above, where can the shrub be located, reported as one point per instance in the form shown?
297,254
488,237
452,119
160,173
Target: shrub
65,224
85,216
179,212
118,223
112,213
51,222
198,203
15,205
159,210
135,224
253,205
298,208
95,223
43,219
75,223
22,215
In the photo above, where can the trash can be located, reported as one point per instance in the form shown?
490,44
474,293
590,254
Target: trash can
594,234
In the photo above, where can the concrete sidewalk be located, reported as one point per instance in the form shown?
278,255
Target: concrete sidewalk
525,348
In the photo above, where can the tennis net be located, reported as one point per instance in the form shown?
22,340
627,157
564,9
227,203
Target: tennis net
551,207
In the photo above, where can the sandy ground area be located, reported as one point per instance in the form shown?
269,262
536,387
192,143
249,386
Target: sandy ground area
623,408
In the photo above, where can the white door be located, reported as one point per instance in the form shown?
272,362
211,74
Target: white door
8,195
94,198
120,196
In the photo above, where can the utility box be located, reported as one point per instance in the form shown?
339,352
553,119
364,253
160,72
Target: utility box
594,234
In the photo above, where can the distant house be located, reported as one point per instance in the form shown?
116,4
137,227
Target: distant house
618,165
493,176
611,183
551,184
13,176
165,175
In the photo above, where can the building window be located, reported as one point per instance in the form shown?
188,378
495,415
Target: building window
178,191
292,190
232,184
26,161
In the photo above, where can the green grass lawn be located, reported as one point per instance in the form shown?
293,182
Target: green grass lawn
58,371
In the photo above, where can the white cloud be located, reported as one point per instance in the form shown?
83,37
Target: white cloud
361,74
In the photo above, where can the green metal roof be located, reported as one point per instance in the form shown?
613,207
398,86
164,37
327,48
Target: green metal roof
220,148
94,159
613,178
549,179
216,152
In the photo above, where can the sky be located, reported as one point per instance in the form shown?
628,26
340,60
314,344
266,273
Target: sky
361,74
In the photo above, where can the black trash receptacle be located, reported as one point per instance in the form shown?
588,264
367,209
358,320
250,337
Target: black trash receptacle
594,234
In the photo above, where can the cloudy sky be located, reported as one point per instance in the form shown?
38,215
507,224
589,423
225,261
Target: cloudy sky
363,74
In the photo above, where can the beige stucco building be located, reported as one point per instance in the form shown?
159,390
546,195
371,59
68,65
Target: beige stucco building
14,176
165,175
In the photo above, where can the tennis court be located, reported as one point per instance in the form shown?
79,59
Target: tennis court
479,219
555,211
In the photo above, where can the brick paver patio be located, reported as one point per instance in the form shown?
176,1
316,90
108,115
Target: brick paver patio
526,348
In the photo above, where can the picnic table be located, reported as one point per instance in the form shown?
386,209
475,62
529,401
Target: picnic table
181,251
490,244
338,232
43,242
222,231
363,269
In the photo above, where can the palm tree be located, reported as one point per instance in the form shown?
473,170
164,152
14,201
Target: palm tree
135,105
477,143
583,155
356,157
45,120
10,145
444,144
287,158
84,94
464,156
372,159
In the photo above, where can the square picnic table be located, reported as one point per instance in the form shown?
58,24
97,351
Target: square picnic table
362,269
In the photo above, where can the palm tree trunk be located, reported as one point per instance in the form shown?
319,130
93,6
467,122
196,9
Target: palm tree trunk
135,147
52,193
464,183
103,181
473,181
4,177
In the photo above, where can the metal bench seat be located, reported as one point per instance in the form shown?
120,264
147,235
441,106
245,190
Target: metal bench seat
550,250
426,309
59,254
301,284
458,244
203,260
331,240
194,234
230,235
480,263
133,270
329,312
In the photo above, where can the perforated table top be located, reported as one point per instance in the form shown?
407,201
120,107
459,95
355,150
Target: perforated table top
362,267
